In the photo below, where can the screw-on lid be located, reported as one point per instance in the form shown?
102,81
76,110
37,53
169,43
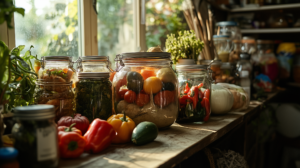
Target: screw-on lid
220,36
94,58
209,62
34,112
245,56
58,58
227,23
7,153
93,75
149,55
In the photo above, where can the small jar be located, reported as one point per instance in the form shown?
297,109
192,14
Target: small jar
93,64
8,157
229,28
227,74
145,88
248,45
57,69
35,136
58,94
223,46
194,88
215,66
93,95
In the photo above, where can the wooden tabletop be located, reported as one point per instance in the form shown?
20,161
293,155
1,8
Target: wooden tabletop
171,147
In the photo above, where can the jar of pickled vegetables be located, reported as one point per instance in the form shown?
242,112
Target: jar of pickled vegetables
58,94
57,69
93,64
93,95
194,89
145,88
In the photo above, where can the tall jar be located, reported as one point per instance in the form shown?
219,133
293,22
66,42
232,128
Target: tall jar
57,69
35,136
93,64
223,46
93,95
229,28
145,88
58,94
194,89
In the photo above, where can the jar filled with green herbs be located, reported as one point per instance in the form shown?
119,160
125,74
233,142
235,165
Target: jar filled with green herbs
93,95
35,136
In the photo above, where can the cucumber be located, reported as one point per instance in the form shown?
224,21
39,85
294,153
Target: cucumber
144,133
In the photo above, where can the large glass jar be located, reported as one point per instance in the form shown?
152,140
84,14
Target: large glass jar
35,136
194,89
57,69
93,64
223,46
58,94
229,28
146,88
93,95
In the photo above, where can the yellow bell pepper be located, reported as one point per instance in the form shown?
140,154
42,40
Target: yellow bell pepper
123,127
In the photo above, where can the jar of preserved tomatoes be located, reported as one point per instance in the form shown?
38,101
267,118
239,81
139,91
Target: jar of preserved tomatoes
145,88
194,89
93,64
93,95
57,69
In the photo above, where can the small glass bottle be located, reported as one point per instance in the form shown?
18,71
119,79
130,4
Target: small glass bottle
35,136
244,68
8,157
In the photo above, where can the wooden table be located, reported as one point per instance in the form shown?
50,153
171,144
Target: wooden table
171,147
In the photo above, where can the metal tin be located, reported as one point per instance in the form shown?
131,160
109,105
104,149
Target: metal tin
34,112
89,75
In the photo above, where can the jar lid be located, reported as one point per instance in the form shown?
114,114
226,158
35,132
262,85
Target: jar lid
94,58
208,62
194,67
34,112
7,153
87,75
245,56
58,58
221,36
149,55
227,23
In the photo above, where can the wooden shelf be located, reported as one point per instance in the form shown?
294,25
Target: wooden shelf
172,145
267,7
270,30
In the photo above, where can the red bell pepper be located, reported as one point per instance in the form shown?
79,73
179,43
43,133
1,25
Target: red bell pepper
98,136
71,143
184,99
207,108
193,94
187,88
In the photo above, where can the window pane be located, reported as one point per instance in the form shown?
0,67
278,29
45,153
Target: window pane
115,27
163,17
51,26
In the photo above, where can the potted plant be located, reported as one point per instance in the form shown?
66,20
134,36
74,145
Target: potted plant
184,46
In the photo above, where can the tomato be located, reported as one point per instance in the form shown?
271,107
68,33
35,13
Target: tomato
142,99
121,82
130,96
152,85
164,98
147,73
207,93
122,93
207,109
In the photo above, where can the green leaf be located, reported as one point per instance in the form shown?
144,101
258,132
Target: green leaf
20,11
23,63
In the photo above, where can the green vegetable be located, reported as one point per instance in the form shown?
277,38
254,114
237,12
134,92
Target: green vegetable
135,81
94,98
144,133
184,46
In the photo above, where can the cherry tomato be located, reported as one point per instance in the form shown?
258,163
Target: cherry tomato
142,99
122,93
207,109
130,96
207,93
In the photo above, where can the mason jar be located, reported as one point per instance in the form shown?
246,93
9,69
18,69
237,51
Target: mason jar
145,88
57,69
35,136
93,64
194,89
93,95
58,94
215,66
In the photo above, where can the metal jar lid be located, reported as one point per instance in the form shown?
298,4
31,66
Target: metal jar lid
34,112
149,55
245,56
57,58
209,62
227,23
94,58
93,75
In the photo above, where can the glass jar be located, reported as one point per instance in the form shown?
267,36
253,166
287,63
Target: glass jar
93,95
244,68
35,136
93,64
57,69
58,94
234,55
194,89
223,46
227,73
215,66
229,28
146,88
248,45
